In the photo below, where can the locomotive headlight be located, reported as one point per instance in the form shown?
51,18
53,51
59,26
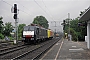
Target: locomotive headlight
23,35
32,35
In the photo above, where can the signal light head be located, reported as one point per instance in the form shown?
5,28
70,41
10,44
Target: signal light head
15,16
15,8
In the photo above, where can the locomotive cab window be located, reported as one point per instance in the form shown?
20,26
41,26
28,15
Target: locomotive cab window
26,28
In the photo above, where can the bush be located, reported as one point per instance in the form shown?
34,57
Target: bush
74,34
1,36
11,38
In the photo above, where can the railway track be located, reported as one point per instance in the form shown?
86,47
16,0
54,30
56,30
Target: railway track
29,52
7,44
37,52
4,44
11,49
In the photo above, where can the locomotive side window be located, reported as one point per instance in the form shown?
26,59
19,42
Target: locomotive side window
37,31
31,28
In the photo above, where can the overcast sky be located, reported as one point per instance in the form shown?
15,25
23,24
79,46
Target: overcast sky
52,10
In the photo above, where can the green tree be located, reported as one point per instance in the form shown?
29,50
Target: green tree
8,28
20,29
79,31
74,34
1,28
74,30
74,24
1,25
66,25
42,21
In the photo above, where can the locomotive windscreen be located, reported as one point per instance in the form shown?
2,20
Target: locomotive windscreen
29,28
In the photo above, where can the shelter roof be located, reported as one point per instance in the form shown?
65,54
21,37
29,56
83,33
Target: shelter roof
86,15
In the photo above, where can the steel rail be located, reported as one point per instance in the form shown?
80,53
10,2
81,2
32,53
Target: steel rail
28,52
12,50
37,57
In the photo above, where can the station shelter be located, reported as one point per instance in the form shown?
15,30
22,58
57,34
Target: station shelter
86,18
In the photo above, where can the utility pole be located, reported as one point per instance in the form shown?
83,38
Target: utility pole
55,23
69,21
54,26
69,35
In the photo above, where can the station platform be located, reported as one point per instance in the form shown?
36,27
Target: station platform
68,50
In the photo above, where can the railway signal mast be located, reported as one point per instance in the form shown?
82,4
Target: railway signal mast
15,10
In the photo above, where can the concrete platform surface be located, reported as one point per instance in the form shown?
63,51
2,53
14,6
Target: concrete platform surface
68,50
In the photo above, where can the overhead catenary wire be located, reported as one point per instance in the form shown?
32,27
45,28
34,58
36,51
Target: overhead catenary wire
62,16
11,6
24,7
42,9
40,6
28,9
51,14
6,2
47,9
